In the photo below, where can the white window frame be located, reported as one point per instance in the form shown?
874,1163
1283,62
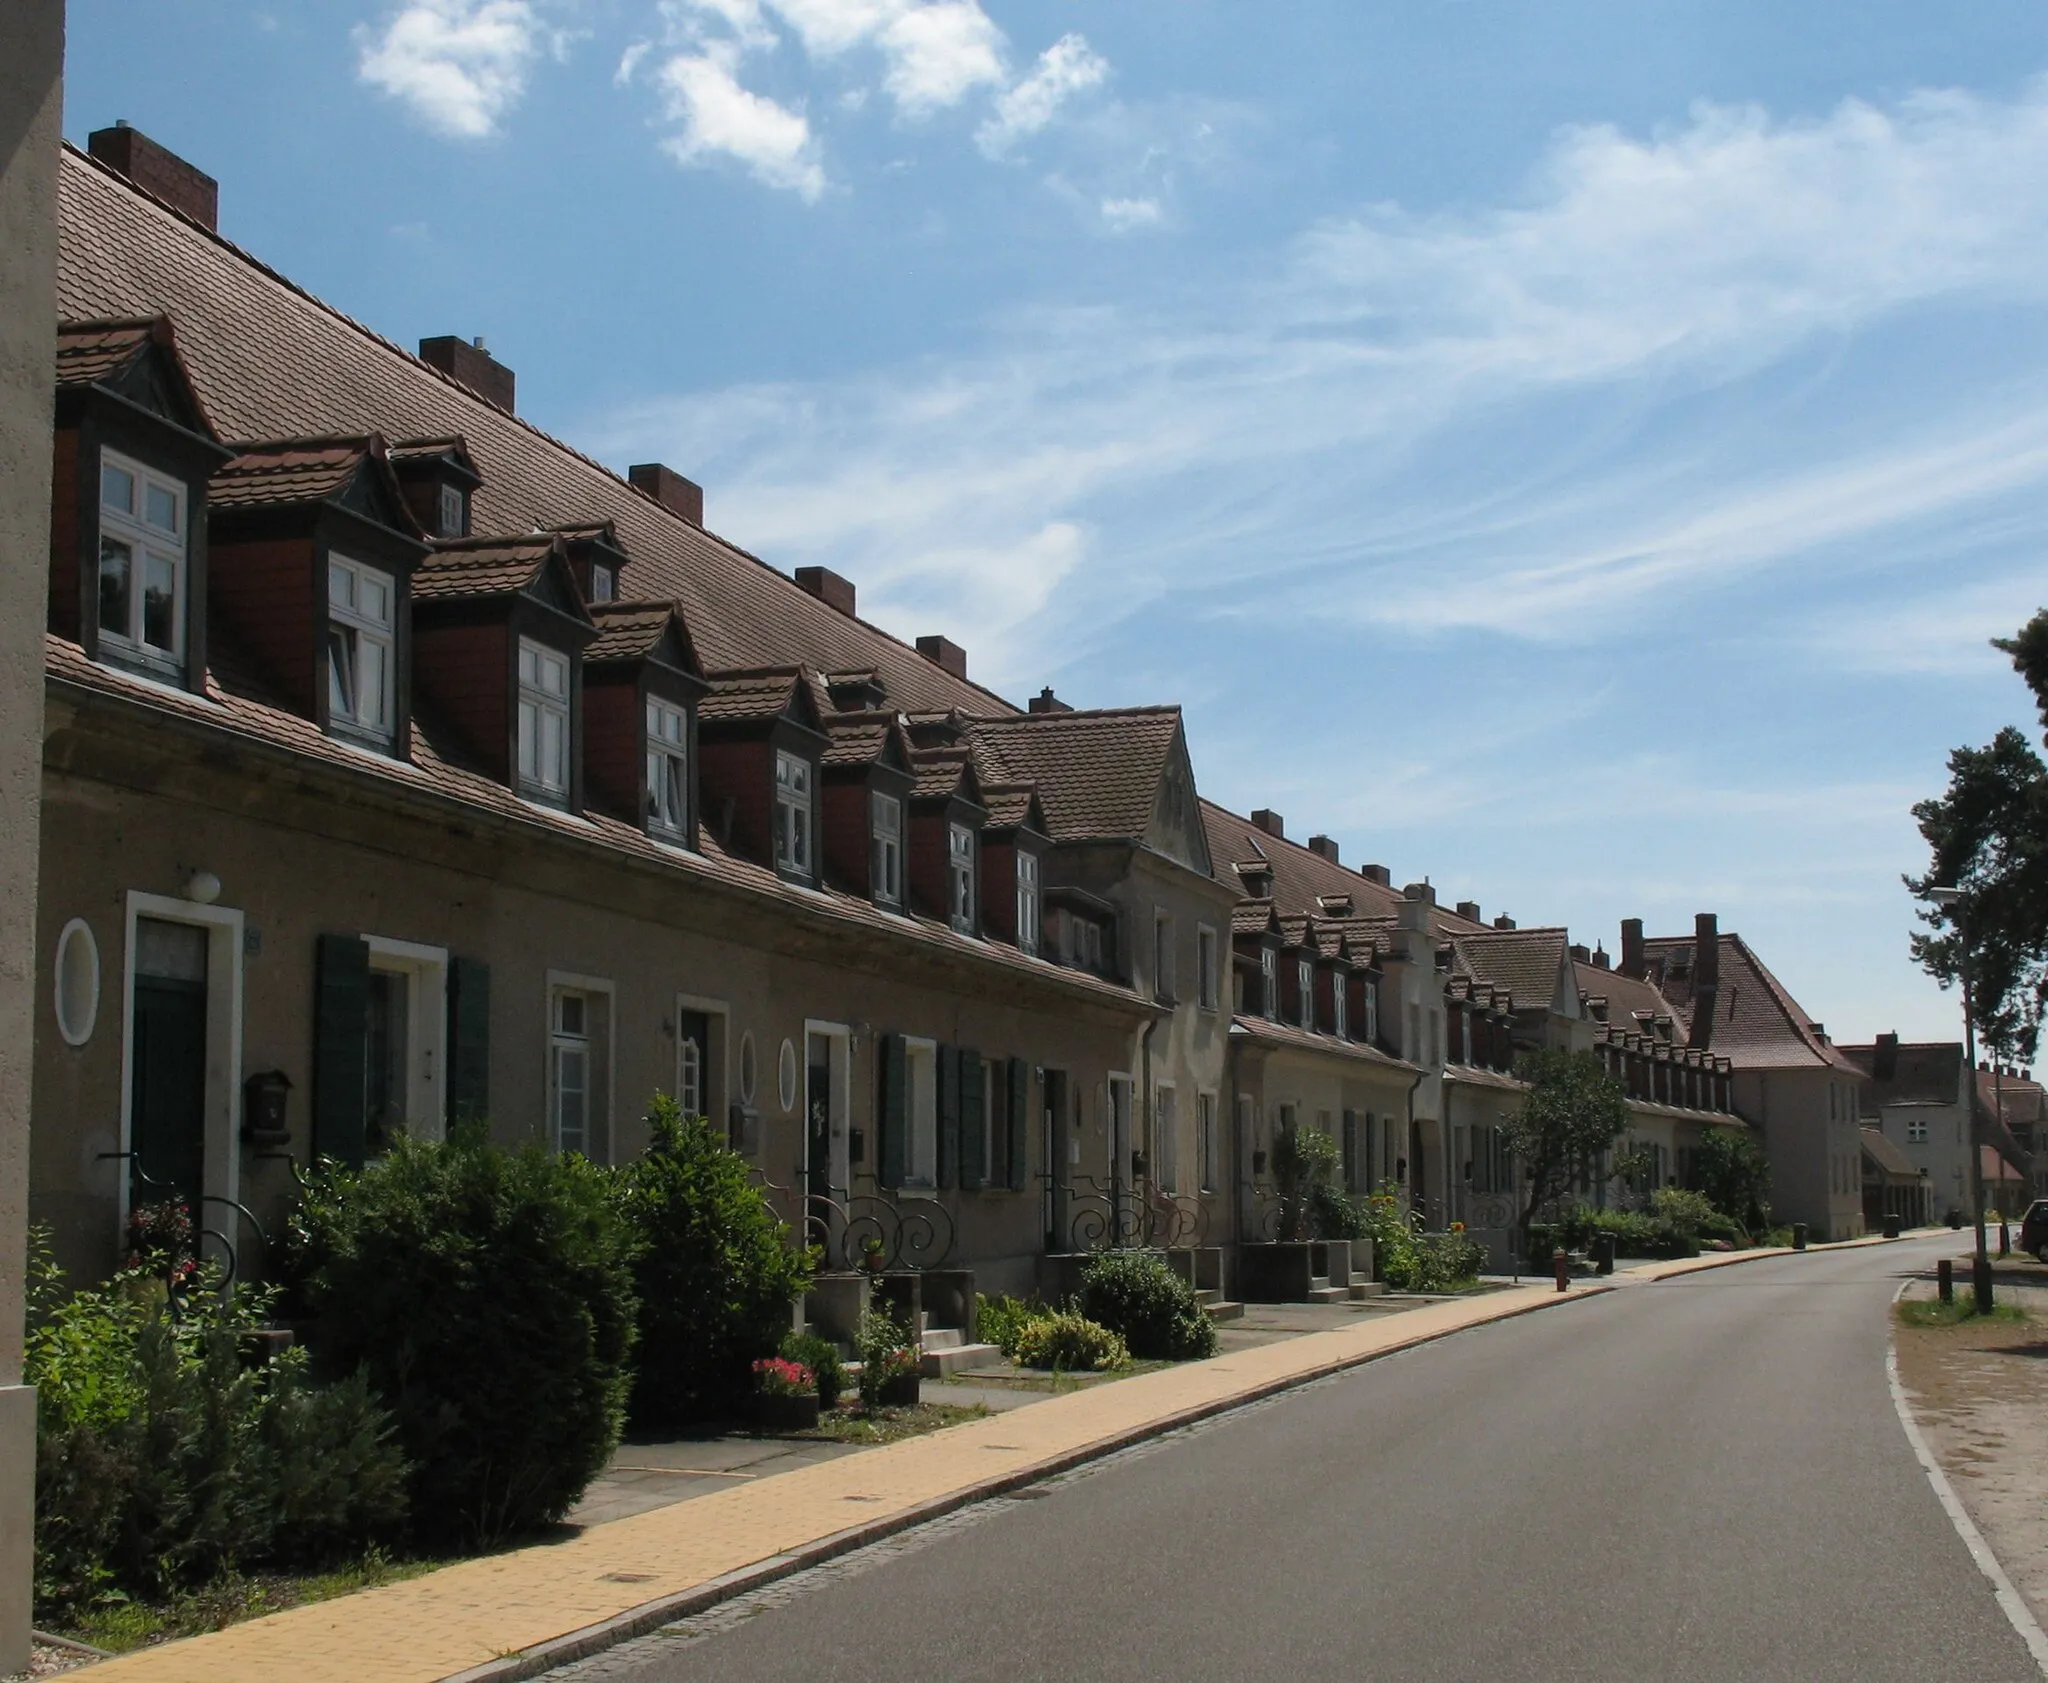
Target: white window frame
144,540
451,511
663,751
597,1109
960,874
604,583
719,1038
1305,987
1165,959
1208,989
426,1038
1340,1004
221,1174
795,813
540,706
1917,1131
920,1112
1165,1164
1027,900
362,631
885,846
1269,982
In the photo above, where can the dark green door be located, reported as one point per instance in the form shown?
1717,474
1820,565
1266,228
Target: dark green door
167,1109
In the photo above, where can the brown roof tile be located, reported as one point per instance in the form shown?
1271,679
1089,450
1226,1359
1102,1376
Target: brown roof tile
1097,773
290,470
1757,1023
484,566
1526,962
628,630
91,351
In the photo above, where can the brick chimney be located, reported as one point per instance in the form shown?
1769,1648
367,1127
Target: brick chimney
1469,910
669,488
470,365
1884,1057
1046,702
1632,964
1422,891
1326,846
821,582
1581,952
1377,873
158,171
1271,822
1600,959
1504,922
945,654
1706,978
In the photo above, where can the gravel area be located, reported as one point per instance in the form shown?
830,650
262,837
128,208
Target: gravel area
48,1660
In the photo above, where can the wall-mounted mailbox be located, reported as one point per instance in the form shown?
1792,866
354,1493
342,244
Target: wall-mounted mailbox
264,1098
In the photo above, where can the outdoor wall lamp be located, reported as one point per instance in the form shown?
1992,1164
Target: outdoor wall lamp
202,888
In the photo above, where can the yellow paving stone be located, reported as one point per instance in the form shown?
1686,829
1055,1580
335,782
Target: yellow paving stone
463,1616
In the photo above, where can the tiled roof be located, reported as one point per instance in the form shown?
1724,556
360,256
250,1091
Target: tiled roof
1524,961
754,694
1757,1023
1923,1073
290,470
1097,773
1631,1004
1007,804
1473,1075
627,630
431,449
1266,1032
1888,1155
1251,917
938,773
483,566
268,360
857,739
91,351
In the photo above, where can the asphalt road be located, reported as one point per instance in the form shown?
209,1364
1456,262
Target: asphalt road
1702,1479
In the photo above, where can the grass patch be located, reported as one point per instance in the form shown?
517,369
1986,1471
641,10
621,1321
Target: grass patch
1932,1312
891,1425
120,1624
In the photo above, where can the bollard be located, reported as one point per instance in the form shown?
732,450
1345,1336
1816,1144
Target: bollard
2004,1238
1980,1283
1945,1280
1563,1265
1799,1235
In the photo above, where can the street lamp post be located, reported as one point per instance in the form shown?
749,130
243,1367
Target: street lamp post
1951,901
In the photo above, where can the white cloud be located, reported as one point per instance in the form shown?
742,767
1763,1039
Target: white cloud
630,61
1065,68
460,64
1123,215
702,94
939,54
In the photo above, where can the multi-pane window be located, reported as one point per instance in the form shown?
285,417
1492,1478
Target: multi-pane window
1206,979
1340,1005
451,512
142,558
792,814
1205,1140
569,1071
668,767
1163,957
1916,1133
361,640
1372,1011
1269,983
603,586
1305,990
885,821
543,720
1027,901
960,876
1166,1139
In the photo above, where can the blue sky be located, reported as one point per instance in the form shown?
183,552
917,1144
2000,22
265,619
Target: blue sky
1576,453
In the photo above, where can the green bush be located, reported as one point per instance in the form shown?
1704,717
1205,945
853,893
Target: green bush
887,1349
821,1356
1304,1160
163,1458
714,1271
489,1297
1336,1214
1153,1309
1070,1343
1000,1320
1637,1233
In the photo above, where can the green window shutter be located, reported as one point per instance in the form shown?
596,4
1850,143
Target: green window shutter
949,1116
469,1039
341,1028
891,1111
1020,1106
973,1142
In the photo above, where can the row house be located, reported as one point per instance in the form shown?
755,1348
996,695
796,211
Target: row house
1917,1096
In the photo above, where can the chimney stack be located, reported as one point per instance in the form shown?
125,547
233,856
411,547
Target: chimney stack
1271,822
1600,959
1884,1057
669,488
1469,910
1582,953
1325,846
1706,978
471,366
1504,922
1046,702
159,172
821,582
1422,891
945,654
1632,964
1377,873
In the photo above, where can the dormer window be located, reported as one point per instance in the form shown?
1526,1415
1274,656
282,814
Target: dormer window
960,877
1028,916
604,586
1340,1001
668,769
361,635
1269,984
1305,990
792,814
142,575
451,512
543,722
886,824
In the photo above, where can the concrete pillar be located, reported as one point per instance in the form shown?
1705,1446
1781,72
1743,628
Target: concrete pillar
31,110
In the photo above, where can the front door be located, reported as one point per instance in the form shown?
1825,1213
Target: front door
167,1100
1058,1163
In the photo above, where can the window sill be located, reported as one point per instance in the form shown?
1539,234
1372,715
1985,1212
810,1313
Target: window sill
165,674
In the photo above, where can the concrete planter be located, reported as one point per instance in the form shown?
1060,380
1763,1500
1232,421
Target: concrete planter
1276,1273
786,1414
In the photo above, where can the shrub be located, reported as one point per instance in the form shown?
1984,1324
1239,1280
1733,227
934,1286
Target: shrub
162,1458
1154,1310
1437,1262
1336,1214
821,1356
488,1296
1000,1320
1070,1343
714,1271
887,1350
1304,1159
778,1376
1637,1233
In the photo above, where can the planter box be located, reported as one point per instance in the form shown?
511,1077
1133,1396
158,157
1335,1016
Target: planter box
1276,1273
835,1303
787,1414
900,1392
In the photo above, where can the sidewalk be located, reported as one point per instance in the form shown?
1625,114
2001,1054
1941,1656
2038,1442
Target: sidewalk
511,1615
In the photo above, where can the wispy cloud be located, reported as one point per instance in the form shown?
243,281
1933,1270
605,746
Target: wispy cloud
701,94
461,65
1064,69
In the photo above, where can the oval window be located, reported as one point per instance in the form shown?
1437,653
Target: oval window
785,1076
78,982
746,1069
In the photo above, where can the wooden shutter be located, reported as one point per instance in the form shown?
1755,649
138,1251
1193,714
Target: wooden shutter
1020,1109
891,1111
973,1142
1350,1151
469,1040
341,1028
949,1116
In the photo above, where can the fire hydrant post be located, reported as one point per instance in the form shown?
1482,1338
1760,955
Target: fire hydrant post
1563,1265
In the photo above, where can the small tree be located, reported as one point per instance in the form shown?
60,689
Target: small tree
1574,1110
1735,1176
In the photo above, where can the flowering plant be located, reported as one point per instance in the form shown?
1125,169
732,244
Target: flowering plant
1457,1227
776,1376
894,1364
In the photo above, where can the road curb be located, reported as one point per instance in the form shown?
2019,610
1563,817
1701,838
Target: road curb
1763,1253
652,1615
